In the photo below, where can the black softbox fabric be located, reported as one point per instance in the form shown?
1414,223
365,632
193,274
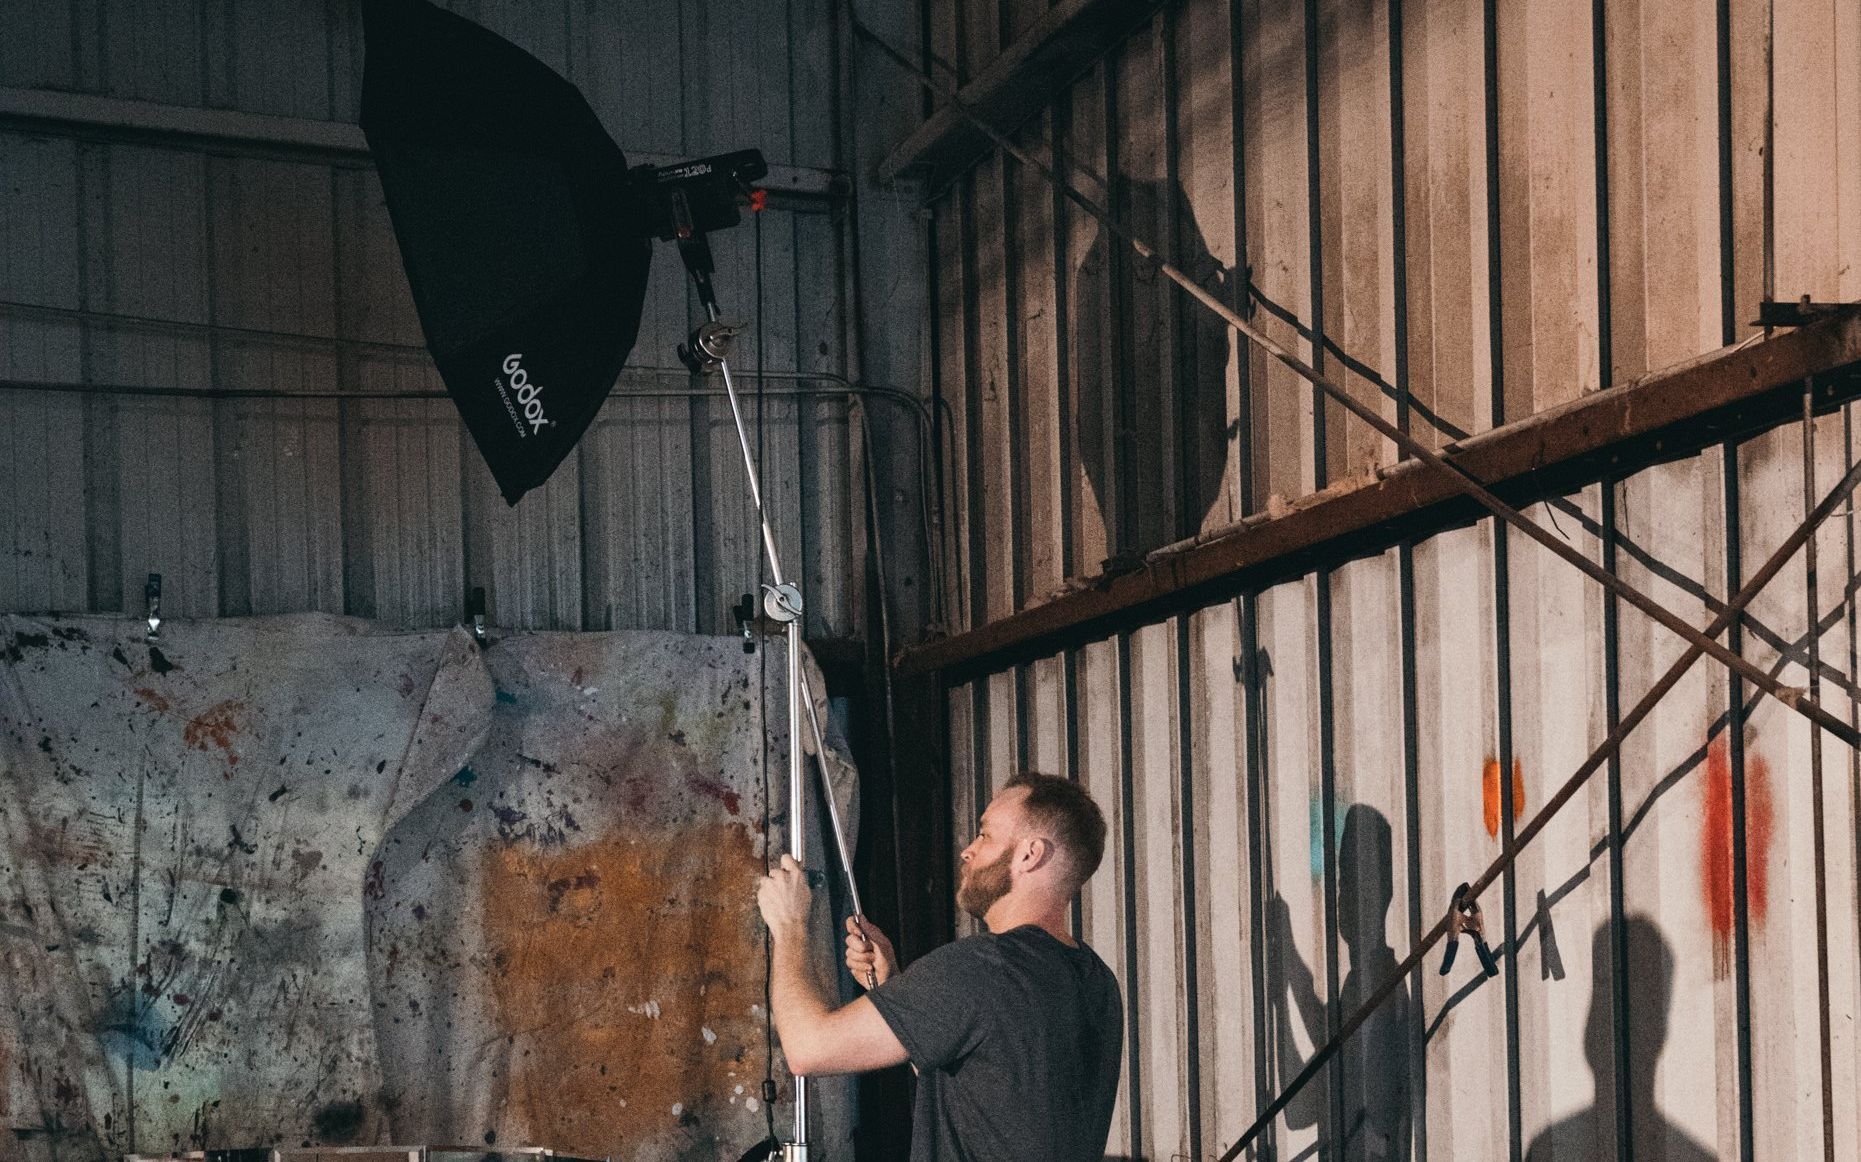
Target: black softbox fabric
509,201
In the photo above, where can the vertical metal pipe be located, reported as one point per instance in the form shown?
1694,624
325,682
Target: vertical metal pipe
1501,614
797,819
1618,933
1813,605
1735,750
1133,963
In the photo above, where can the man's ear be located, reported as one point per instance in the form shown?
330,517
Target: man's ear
1038,853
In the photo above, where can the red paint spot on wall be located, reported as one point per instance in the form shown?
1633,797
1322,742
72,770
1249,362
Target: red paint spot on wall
1715,857
215,727
152,699
1489,791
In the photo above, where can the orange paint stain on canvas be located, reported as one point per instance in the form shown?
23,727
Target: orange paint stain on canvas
630,972
1489,792
1716,842
215,727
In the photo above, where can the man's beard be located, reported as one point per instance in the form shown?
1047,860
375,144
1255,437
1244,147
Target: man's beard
982,885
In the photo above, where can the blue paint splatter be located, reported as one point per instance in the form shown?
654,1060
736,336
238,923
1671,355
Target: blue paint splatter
466,777
1319,849
507,698
132,1031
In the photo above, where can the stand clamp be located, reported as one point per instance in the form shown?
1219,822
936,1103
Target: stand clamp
708,347
782,602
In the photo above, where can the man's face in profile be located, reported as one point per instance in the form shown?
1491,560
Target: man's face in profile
985,876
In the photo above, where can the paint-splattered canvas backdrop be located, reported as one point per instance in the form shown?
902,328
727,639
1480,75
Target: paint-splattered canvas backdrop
190,834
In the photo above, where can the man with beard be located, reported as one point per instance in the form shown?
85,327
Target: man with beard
1015,1032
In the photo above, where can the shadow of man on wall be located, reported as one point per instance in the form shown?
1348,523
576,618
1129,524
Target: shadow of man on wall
1594,1132
1376,1103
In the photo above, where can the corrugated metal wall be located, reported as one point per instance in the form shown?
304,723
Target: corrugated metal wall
160,262
1496,208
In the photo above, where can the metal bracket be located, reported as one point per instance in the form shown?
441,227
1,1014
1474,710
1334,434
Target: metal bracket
1795,313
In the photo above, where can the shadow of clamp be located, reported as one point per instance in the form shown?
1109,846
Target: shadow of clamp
1464,916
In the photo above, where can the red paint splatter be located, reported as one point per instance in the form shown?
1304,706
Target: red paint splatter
1489,792
732,801
1715,857
152,699
215,727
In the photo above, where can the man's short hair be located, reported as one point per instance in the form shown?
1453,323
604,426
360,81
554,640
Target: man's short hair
1065,810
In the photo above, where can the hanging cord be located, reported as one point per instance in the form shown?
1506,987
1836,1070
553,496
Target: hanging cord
1812,604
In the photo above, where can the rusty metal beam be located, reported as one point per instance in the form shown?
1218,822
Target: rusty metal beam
1664,415
1015,87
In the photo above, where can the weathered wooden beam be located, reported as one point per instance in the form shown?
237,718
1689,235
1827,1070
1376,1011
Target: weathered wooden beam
1662,416
1015,87
92,117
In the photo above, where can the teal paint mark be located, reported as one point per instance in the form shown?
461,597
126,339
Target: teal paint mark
506,697
133,1032
1319,849
466,777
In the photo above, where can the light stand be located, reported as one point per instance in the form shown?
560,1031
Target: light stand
708,351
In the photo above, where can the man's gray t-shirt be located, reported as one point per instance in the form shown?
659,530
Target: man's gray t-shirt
1017,1039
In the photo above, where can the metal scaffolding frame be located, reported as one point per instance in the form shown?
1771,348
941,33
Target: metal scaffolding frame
1700,642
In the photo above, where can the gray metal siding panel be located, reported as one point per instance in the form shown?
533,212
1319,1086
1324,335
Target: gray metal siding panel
177,268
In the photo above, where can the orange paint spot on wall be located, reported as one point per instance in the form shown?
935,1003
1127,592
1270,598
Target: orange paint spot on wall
631,978
215,727
1715,858
1489,790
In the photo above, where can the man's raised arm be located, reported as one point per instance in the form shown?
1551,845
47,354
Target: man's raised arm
817,1038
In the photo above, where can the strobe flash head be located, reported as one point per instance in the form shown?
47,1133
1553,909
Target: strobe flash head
688,200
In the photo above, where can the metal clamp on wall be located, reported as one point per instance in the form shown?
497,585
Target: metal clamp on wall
475,616
1464,916
152,599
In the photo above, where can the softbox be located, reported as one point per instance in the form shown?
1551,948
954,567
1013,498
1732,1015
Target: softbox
510,205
